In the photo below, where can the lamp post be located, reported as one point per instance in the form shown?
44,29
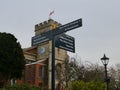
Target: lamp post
105,61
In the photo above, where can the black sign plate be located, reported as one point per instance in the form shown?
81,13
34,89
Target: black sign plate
65,42
40,39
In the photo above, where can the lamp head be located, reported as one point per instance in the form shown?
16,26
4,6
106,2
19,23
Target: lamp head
105,60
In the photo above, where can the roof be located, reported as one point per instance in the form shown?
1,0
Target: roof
37,62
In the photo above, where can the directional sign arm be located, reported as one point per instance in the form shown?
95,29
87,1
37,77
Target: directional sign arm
65,42
68,27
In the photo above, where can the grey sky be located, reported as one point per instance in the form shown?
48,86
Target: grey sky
99,34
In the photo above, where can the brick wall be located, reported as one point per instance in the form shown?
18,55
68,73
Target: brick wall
29,74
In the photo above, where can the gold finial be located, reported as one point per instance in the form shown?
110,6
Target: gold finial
54,26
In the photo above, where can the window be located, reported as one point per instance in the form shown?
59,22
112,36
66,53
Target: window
40,72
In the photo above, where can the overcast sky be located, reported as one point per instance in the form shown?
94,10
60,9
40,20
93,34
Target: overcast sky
99,34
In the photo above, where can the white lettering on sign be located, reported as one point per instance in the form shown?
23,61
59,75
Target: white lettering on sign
69,24
66,42
66,48
66,39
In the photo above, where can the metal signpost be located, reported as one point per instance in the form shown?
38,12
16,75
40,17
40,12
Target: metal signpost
58,31
64,41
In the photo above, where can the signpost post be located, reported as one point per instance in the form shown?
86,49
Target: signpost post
53,63
64,41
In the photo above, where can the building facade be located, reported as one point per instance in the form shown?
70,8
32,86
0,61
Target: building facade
38,70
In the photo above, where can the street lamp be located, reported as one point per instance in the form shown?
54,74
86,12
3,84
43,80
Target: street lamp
105,61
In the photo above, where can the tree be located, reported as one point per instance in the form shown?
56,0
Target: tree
68,71
77,68
93,72
72,70
64,73
117,78
12,62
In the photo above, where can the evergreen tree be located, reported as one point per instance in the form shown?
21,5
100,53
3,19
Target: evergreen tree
12,60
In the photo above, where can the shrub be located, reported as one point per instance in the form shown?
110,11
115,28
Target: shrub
92,85
22,87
